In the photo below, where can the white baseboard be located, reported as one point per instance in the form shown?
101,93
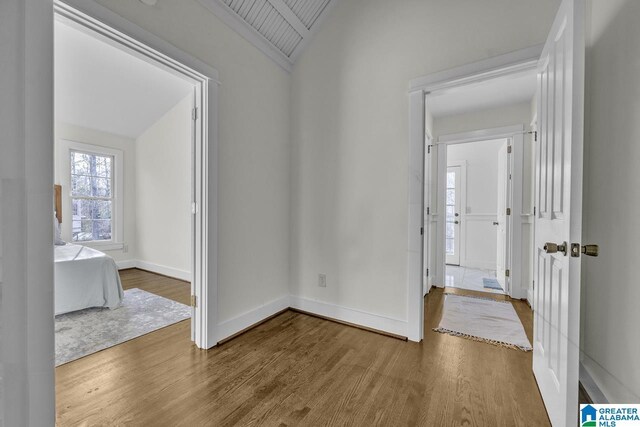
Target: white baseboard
237,324
590,386
349,315
128,263
155,268
164,270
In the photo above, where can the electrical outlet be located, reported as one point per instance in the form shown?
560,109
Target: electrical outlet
322,280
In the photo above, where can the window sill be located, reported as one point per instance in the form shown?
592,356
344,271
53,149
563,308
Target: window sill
103,246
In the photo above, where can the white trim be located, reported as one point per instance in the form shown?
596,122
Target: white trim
164,270
415,221
480,135
590,385
125,264
508,64
515,136
250,34
63,148
502,65
350,315
91,15
127,36
231,327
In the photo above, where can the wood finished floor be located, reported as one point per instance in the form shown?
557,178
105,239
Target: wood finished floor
297,369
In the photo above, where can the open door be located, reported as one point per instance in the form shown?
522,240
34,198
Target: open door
501,223
558,219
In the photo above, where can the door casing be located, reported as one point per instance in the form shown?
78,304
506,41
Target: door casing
101,22
502,65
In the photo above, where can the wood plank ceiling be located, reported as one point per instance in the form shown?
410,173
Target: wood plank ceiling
280,28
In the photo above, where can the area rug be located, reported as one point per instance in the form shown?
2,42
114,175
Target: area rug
84,332
491,283
483,319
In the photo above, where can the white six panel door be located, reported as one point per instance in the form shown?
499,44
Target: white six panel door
559,213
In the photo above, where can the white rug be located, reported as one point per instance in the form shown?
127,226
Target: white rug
88,331
483,319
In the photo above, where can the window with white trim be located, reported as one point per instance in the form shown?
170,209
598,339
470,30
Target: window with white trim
92,198
92,193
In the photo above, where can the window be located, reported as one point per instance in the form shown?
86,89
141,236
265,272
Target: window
92,193
91,196
450,206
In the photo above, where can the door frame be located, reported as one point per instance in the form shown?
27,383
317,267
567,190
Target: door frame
115,30
515,138
419,172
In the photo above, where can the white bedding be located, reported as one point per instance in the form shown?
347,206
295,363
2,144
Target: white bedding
84,278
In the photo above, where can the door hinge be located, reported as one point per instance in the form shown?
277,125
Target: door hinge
427,272
194,208
194,113
194,301
428,211
535,134
422,231
534,210
508,211
429,149
509,149
507,273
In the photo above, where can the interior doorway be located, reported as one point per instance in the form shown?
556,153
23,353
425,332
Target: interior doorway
199,101
476,225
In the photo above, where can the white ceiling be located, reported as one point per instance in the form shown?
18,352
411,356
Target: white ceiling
279,28
497,92
101,87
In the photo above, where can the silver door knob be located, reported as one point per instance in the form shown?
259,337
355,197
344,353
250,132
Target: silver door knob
552,248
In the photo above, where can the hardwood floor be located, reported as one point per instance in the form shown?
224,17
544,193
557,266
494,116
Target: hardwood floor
297,369
164,286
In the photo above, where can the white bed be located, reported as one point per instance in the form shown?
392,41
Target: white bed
84,278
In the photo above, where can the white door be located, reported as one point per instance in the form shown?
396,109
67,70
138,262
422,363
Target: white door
502,218
452,216
559,215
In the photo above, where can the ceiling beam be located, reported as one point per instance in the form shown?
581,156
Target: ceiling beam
242,27
290,17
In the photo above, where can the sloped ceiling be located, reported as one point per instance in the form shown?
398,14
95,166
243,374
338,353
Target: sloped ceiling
279,28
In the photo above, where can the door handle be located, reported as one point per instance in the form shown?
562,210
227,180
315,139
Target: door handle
552,248
588,250
456,222
496,223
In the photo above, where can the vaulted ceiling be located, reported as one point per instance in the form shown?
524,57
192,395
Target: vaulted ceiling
279,28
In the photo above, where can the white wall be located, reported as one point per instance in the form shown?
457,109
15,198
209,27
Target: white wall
350,134
610,315
26,252
103,139
253,155
478,247
163,193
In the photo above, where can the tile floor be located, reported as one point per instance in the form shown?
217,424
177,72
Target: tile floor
468,278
